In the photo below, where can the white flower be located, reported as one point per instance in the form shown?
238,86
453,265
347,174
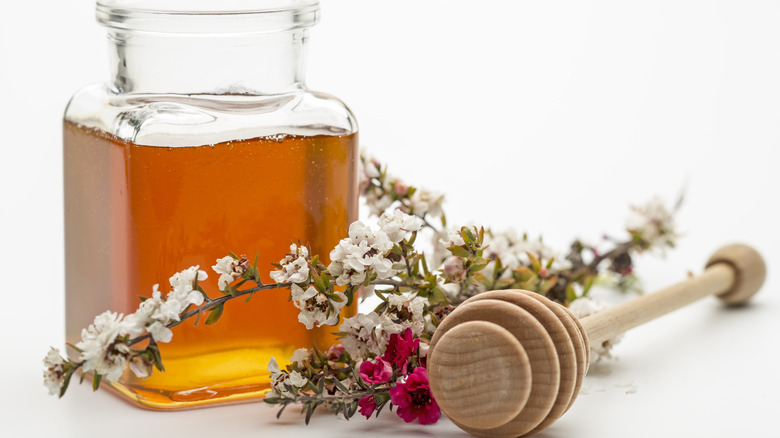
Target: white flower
585,306
404,312
297,380
382,266
442,240
377,204
397,224
360,335
273,368
451,290
277,378
100,349
54,371
160,332
430,327
300,356
654,224
148,311
153,315
423,349
368,168
141,367
229,269
167,311
294,266
425,202
365,292
411,307
364,250
182,287
281,378
454,269
513,251
453,238
316,308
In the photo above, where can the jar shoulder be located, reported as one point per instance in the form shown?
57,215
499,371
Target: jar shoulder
193,120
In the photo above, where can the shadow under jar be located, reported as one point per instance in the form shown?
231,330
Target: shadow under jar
205,141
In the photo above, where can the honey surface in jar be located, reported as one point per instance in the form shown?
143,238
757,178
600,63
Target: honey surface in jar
135,215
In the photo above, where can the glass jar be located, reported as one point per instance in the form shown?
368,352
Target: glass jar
204,141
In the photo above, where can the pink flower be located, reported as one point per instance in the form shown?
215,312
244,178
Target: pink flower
414,399
334,352
379,372
399,349
367,406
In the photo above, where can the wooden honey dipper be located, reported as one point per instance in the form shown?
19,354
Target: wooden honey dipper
509,363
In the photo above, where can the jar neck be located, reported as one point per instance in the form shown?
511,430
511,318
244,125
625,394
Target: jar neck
252,64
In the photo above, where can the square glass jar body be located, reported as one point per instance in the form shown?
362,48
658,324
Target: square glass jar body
167,168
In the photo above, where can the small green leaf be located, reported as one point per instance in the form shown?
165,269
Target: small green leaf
588,284
523,273
548,284
535,263
379,293
399,266
317,281
353,407
504,284
155,350
69,345
437,296
339,385
478,264
66,381
215,314
459,251
468,235
319,355
379,406
325,281
96,378
309,411
279,414
571,295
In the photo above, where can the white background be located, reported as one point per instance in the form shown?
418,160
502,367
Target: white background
550,117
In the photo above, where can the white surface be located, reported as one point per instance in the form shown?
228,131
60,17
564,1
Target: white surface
548,116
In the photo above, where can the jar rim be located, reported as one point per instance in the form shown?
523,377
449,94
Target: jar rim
201,17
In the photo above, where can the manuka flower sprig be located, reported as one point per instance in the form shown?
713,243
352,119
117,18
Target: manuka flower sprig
381,357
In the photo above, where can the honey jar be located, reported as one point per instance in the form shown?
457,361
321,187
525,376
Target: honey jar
204,140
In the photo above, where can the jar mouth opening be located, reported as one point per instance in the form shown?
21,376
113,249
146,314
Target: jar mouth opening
231,17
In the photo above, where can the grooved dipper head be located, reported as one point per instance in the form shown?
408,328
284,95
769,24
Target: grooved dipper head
507,363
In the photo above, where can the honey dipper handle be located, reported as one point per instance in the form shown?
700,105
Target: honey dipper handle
734,273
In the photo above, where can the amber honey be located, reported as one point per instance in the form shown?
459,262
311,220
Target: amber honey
134,215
